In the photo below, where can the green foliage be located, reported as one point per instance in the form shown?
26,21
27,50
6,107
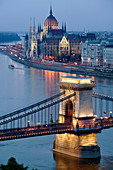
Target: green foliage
63,58
13,165
55,53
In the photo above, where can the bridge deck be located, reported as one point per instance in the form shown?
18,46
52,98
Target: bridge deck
32,131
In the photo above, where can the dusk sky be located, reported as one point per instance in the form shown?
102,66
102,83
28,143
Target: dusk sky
91,15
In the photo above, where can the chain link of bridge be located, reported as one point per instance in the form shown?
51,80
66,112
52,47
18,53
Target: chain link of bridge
42,118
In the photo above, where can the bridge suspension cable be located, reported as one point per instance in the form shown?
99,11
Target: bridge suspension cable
31,106
39,109
100,96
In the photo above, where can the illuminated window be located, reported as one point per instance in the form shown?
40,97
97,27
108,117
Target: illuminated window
105,60
88,59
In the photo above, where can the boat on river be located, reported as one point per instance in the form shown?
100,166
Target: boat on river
11,66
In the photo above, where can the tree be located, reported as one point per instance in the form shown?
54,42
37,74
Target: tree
13,165
55,54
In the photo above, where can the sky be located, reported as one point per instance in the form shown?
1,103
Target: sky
79,15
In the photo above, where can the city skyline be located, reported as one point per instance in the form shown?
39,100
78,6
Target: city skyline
79,16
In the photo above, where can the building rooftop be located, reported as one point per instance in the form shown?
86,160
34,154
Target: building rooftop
76,80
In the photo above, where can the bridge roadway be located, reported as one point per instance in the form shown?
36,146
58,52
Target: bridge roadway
32,131
55,128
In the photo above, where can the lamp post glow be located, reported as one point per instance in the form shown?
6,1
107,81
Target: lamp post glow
110,113
28,123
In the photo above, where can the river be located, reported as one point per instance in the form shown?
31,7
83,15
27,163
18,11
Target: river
22,86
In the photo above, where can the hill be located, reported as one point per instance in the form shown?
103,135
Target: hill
8,37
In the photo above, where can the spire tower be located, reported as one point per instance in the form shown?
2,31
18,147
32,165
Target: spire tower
51,10
62,27
34,27
65,27
31,29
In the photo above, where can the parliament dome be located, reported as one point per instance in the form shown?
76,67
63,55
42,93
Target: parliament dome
51,22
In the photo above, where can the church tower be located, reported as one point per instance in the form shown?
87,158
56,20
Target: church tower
30,37
33,41
51,10
31,29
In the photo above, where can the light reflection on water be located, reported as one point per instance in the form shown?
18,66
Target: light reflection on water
23,86
70,163
67,162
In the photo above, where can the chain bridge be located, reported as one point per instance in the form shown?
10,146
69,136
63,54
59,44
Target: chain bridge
75,115
42,118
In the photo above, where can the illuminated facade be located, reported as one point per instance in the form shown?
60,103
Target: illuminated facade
51,42
108,56
80,106
92,53
50,37
75,111
32,41
64,47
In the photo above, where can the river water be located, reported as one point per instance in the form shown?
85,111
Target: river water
22,86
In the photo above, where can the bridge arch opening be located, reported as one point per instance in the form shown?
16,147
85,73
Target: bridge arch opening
68,112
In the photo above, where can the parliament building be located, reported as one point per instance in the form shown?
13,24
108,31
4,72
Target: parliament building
51,42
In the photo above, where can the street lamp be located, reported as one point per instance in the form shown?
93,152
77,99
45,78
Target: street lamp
88,61
110,113
28,121
38,124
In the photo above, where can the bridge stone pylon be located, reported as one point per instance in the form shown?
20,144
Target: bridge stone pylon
80,105
77,109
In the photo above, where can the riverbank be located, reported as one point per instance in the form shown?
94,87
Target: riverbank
59,68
